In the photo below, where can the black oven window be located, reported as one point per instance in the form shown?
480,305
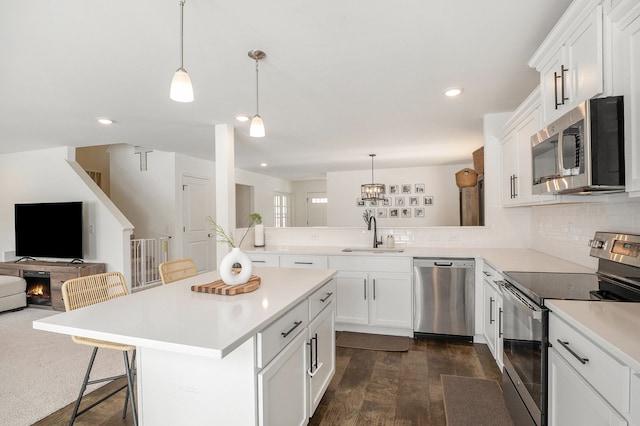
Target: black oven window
573,150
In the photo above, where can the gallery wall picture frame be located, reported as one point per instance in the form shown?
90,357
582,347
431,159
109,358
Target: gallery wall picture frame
427,200
359,202
419,188
393,212
406,188
418,212
394,189
381,212
371,212
414,200
386,201
399,201
406,212
373,203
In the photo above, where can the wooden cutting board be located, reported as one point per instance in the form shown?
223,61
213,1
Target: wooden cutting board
219,287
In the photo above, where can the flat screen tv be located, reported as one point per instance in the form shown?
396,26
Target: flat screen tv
49,230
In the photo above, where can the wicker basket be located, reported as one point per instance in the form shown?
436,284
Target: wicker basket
466,178
478,160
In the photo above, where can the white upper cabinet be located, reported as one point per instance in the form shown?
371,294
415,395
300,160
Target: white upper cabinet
571,60
625,17
515,138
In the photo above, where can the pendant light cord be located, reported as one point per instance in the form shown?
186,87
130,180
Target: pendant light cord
182,34
257,87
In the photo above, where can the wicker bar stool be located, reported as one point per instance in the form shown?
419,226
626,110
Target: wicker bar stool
174,270
89,290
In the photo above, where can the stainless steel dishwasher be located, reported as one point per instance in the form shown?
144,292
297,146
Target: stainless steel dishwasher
444,298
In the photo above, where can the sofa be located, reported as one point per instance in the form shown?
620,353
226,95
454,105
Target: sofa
13,293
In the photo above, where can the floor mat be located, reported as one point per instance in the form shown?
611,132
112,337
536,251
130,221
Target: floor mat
470,401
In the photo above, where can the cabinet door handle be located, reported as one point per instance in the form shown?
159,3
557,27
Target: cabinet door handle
295,325
310,344
555,88
578,357
500,322
326,298
491,320
563,70
365,288
486,273
515,186
374,289
302,263
315,362
259,261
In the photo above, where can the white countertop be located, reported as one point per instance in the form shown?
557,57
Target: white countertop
614,326
174,318
507,259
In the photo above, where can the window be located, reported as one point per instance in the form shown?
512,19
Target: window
281,209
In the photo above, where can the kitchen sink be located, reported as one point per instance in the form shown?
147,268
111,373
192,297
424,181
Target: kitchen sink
373,250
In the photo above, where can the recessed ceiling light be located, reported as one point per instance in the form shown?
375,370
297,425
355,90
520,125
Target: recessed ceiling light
453,91
263,164
242,117
104,121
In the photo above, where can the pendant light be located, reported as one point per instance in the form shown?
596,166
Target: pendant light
372,191
257,126
181,88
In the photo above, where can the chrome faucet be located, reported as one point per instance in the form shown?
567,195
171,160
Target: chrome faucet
376,243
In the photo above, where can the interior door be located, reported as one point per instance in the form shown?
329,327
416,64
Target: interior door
317,209
197,242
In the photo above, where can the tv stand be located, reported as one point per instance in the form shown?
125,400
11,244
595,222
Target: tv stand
59,272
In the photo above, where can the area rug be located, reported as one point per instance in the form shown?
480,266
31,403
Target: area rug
374,342
470,401
41,372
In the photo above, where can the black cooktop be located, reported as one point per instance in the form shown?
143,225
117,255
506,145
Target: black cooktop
539,286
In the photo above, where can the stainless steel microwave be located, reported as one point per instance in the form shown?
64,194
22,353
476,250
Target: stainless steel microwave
582,152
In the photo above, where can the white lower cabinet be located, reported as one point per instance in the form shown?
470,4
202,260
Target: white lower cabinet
376,299
298,355
572,401
492,313
282,387
322,355
587,385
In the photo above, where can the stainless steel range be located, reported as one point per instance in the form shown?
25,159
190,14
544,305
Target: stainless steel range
525,317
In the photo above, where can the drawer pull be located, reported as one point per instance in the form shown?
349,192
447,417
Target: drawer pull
578,357
326,298
295,325
259,261
302,263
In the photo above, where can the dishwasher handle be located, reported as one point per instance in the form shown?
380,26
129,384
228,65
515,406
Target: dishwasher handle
449,264
425,262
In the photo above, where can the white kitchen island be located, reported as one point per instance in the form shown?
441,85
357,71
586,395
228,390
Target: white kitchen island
214,359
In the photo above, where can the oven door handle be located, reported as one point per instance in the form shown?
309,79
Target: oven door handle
521,301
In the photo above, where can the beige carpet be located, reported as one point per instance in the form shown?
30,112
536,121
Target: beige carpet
41,372
470,401
375,342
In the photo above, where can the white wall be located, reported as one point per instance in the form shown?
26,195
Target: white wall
143,196
264,187
52,175
344,188
300,191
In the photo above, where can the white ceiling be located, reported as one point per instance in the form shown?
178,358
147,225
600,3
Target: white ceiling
342,78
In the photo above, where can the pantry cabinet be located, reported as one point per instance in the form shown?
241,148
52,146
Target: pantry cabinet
571,60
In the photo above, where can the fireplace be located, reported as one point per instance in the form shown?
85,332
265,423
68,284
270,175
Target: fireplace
38,287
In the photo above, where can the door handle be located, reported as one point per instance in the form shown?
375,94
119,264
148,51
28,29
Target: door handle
365,288
571,351
491,320
326,298
374,289
295,325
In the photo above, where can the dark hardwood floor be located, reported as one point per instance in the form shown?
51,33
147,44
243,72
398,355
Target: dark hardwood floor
369,387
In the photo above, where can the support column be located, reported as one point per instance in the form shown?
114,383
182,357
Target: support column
225,184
